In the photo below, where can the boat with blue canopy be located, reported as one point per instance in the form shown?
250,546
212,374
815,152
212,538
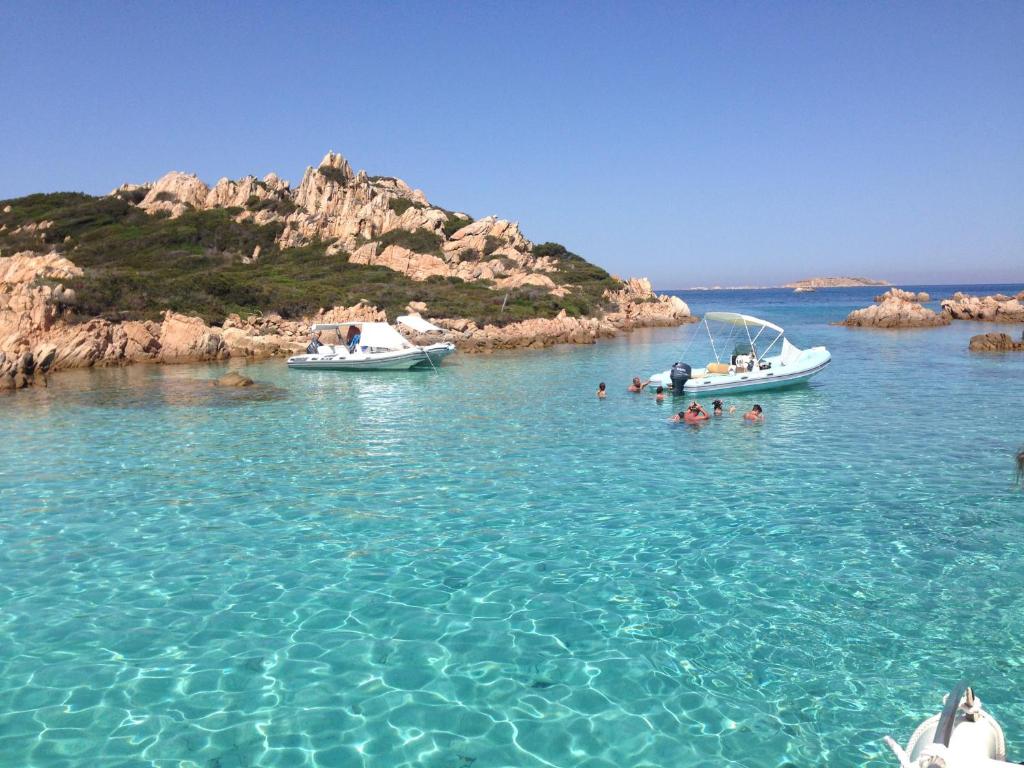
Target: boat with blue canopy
750,355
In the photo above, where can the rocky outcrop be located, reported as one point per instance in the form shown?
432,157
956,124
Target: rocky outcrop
894,309
534,334
335,204
638,306
176,193
996,342
189,339
903,295
835,282
352,211
995,309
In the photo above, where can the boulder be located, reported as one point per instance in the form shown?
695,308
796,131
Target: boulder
176,193
995,342
234,379
44,357
189,339
6,382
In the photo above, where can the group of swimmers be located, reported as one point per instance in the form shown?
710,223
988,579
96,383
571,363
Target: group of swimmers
695,413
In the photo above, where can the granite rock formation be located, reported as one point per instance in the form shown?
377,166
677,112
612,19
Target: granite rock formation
896,309
996,309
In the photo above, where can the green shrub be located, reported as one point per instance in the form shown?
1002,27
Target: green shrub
491,244
402,204
334,174
134,196
279,205
469,254
454,223
417,240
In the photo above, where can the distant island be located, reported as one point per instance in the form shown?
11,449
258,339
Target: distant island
835,282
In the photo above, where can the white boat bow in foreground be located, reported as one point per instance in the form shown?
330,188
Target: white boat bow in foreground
745,344
369,347
963,735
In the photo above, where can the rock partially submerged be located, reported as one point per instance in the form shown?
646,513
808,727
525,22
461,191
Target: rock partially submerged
233,379
896,309
996,342
995,309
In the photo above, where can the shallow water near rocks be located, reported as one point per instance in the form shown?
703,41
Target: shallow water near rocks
489,567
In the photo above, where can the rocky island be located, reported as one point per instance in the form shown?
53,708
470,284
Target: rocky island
178,271
814,283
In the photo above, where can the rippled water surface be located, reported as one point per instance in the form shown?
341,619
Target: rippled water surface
489,567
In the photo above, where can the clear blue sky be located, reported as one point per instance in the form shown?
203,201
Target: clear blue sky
697,143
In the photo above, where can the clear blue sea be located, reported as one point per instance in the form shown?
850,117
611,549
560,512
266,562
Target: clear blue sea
489,567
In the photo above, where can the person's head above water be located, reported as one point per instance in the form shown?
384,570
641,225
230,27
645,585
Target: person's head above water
717,405
600,387
636,381
756,408
694,407
659,391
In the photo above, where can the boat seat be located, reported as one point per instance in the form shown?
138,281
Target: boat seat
718,368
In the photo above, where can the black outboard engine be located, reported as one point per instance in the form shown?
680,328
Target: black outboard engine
679,374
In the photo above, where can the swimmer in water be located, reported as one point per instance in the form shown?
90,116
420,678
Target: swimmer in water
718,408
637,386
659,395
695,414
601,393
754,414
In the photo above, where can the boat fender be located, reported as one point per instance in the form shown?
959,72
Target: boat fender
679,375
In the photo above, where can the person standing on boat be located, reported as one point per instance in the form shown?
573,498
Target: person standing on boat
314,344
754,414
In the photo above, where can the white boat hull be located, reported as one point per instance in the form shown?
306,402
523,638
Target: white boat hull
397,360
810,363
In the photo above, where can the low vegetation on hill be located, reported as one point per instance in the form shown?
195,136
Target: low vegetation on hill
137,265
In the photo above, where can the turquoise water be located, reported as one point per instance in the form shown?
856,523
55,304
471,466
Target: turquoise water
489,567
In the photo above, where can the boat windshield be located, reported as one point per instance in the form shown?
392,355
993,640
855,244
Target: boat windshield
736,337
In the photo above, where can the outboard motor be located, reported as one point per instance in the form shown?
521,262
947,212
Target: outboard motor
679,374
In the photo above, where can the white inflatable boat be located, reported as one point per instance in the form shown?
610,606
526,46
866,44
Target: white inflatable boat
963,735
750,355
368,347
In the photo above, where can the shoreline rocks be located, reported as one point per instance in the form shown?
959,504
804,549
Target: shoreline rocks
993,309
37,334
896,309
